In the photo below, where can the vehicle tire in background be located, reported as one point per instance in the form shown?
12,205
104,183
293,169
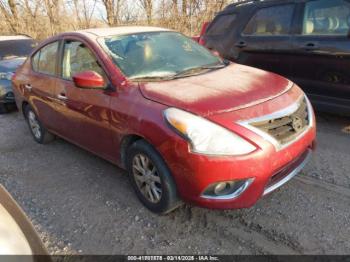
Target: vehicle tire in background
39,132
3,109
151,178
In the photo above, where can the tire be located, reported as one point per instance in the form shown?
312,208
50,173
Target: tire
3,108
39,132
167,200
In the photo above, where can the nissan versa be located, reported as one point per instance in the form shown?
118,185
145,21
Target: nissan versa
184,123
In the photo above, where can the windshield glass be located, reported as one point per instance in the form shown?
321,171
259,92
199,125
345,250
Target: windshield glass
157,54
12,48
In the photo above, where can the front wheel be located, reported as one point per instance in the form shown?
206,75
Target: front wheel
39,132
151,178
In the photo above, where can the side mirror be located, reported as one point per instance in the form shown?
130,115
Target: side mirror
89,80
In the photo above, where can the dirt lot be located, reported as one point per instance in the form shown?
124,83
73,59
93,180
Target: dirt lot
82,204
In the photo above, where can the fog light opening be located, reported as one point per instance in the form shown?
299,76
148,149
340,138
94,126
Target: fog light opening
223,188
227,190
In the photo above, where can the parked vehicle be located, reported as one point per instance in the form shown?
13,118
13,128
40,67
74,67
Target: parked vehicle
185,124
307,41
18,236
13,52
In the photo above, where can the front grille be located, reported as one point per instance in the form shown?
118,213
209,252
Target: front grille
286,128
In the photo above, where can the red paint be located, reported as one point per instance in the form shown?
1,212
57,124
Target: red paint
234,87
200,38
88,79
98,120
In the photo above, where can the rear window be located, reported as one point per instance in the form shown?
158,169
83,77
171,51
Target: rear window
221,24
16,48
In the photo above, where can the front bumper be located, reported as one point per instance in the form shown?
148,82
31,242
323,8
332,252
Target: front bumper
267,167
288,172
6,93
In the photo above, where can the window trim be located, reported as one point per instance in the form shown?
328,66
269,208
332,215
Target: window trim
290,33
301,25
57,58
101,64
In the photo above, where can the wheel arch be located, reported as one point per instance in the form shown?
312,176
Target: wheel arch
23,108
126,142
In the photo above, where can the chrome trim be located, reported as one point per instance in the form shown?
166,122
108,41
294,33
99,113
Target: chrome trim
290,176
235,194
62,97
28,87
279,114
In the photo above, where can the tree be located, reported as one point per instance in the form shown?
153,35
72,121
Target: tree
52,9
175,8
113,11
10,12
147,6
84,12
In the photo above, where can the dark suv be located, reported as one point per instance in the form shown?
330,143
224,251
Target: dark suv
307,41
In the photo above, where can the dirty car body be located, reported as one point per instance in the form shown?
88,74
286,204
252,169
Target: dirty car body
217,135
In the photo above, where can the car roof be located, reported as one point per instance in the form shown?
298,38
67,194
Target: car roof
13,37
254,3
122,30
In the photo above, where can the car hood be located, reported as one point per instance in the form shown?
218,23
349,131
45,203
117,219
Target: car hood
232,88
10,65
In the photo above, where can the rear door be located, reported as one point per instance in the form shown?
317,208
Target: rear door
265,41
83,115
39,84
322,51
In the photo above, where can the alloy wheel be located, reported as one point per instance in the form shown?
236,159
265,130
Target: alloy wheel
34,125
147,178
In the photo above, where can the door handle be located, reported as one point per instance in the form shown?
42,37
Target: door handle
28,87
62,97
310,46
241,44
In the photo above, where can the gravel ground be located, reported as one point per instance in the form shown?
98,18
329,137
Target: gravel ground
81,204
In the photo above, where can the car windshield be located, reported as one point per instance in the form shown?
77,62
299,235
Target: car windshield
157,54
13,48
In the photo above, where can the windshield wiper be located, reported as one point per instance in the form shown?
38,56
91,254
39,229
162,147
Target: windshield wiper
187,72
197,70
150,78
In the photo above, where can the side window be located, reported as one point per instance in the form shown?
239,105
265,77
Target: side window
276,20
221,24
324,17
78,58
44,61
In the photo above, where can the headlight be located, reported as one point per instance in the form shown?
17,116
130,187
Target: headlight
6,76
206,137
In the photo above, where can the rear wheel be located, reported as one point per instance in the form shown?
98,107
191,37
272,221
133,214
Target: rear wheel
39,132
151,178
3,108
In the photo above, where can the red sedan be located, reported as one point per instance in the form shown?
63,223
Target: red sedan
186,124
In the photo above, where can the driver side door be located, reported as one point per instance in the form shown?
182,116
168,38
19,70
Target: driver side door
83,115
